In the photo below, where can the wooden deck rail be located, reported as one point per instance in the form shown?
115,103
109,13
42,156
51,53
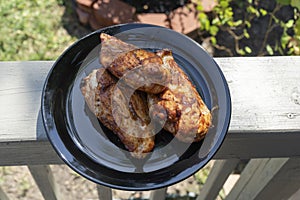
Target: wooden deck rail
264,129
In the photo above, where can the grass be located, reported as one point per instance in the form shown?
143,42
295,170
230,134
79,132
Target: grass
34,29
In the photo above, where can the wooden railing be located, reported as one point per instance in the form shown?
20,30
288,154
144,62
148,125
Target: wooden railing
264,129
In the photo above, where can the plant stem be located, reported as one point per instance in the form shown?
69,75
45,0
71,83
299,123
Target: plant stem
269,29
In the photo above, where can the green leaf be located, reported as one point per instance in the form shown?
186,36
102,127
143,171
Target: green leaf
216,21
253,10
238,22
199,7
230,23
207,25
228,13
297,27
224,4
224,21
281,51
269,50
241,52
248,49
248,24
290,23
263,12
285,40
202,16
246,34
290,51
213,30
204,22
213,40
284,2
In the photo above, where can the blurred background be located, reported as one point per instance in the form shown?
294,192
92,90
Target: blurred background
42,30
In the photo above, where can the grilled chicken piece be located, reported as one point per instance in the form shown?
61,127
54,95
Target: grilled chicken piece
139,68
111,48
125,112
126,118
188,118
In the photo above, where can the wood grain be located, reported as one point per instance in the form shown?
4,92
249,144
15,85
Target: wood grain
264,92
44,179
216,178
286,180
275,178
21,86
265,118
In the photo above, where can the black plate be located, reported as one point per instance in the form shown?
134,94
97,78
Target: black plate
95,152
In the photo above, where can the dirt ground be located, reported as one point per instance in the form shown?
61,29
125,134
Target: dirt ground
18,184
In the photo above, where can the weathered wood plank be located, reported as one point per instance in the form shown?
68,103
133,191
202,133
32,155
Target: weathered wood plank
216,178
104,193
253,166
3,196
265,92
44,179
285,181
265,98
159,194
266,144
295,196
38,152
275,178
21,85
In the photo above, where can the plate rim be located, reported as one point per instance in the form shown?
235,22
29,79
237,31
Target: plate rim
210,155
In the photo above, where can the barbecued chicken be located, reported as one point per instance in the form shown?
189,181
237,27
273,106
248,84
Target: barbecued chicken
140,69
188,118
126,118
171,97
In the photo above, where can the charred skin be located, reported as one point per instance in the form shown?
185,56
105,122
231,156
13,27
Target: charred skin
141,69
99,90
111,48
188,118
174,98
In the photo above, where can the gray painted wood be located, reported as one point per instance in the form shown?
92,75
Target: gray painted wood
285,181
266,109
265,92
159,194
104,193
216,178
265,112
295,196
21,85
255,166
27,153
275,178
264,144
44,179
3,196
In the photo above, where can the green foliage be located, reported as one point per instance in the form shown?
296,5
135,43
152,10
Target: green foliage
292,43
284,2
32,30
294,3
222,18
